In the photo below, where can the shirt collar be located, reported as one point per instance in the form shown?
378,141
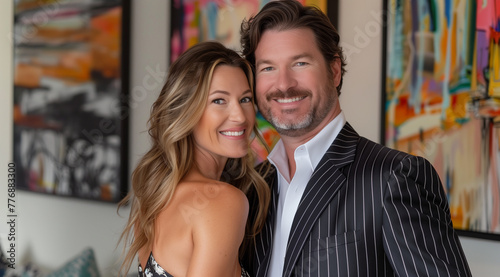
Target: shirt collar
320,143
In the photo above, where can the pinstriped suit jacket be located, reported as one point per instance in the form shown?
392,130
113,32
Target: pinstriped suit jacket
367,211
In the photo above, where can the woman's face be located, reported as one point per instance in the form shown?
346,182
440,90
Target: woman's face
225,127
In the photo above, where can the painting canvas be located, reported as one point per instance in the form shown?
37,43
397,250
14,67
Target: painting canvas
193,21
441,100
70,117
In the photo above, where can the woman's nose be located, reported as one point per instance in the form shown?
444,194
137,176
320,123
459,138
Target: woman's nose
237,114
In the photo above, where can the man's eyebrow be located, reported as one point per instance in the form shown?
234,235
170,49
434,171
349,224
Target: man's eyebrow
258,63
300,56
293,58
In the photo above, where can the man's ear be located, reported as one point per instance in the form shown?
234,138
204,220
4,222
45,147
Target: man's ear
336,68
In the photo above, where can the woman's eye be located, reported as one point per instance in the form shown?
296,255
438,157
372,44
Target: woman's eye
218,101
246,100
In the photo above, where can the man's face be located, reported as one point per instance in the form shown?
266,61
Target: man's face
295,90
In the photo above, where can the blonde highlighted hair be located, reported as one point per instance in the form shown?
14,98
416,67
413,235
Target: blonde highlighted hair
174,115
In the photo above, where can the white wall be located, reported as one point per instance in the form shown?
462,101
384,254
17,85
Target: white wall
52,229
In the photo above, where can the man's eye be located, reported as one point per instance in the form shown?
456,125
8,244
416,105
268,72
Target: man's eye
301,63
269,68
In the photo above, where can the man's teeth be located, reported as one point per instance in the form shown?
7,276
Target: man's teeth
233,134
289,100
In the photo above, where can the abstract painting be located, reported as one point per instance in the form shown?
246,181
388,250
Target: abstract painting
70,92
193,21
441,100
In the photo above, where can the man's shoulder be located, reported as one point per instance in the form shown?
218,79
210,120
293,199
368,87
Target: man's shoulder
367,148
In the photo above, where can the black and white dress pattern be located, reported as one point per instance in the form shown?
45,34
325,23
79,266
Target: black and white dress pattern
153,269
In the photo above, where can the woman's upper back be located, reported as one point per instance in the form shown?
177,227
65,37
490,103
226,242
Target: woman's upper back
200,229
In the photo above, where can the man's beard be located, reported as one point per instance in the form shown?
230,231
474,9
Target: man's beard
307,122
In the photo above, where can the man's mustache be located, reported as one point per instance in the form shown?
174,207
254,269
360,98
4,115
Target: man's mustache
288,94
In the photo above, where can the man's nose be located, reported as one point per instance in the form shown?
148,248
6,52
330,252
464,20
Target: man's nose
286,80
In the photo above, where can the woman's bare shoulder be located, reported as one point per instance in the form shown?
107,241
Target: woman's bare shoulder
211,200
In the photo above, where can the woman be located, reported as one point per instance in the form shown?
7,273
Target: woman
189,210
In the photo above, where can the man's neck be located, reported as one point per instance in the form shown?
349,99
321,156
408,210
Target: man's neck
291,143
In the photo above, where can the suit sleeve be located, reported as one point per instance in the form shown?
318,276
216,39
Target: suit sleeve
419,239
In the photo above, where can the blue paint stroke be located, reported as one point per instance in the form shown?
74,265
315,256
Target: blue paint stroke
448,7
396,41
437,34
212,12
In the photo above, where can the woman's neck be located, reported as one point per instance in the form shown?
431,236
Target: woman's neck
208,166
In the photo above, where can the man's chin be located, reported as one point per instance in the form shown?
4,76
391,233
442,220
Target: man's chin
292,132
292,129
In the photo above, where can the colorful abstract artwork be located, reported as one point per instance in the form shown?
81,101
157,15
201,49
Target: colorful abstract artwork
201,20
442,100
70,73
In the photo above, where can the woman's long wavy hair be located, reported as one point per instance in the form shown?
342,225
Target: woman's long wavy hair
174,115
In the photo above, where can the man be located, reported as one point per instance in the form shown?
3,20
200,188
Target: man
342,205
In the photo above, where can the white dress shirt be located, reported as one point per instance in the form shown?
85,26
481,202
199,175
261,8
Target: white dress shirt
307,156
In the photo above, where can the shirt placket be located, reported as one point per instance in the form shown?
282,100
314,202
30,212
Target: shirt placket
294,193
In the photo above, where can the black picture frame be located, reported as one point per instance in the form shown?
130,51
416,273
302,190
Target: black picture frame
71,87
478,98
333,12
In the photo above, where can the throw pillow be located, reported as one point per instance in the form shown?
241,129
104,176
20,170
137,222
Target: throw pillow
84,265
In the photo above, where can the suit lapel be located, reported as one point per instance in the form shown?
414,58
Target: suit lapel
263,245
325,181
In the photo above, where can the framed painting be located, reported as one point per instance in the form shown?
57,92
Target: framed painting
70,97
193,21
441,89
